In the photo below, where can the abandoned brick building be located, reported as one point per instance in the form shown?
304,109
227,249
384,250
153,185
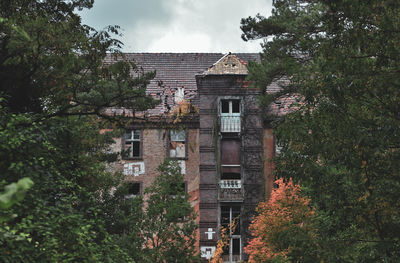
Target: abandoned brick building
223,148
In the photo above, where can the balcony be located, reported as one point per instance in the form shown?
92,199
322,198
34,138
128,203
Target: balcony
230,123
230,190
230,184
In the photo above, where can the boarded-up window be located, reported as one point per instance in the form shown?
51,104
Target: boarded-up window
230,151
230,159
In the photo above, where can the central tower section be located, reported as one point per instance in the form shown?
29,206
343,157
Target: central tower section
231,150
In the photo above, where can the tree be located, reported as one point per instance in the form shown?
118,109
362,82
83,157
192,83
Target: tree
342,144
283,228
52,65
169,226
54,89
161,229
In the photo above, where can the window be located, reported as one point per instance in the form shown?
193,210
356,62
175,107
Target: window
230,116
230,107
133,190
177,144
230,159
132,144
229,214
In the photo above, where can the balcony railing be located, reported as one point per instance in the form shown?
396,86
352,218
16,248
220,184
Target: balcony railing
230,190
230,123
230,184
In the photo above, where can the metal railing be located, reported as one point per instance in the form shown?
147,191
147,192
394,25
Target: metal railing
231,184
230,123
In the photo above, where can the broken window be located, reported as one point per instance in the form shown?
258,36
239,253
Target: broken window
230,219
132,144
177,144
133,190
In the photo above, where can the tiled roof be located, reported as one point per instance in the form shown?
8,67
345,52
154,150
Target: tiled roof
177,70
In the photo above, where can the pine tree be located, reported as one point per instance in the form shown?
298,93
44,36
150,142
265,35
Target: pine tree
341,60
54,89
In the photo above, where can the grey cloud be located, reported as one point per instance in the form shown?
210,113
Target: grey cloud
178,25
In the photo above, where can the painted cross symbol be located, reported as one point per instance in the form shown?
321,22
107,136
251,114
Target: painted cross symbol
210,233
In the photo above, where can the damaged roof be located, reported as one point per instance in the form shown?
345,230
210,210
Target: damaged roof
175,71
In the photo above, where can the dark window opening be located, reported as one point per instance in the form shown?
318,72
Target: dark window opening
230,106
235,246
230,216
133,190
225,106
235,106
132,143
230,176
230,220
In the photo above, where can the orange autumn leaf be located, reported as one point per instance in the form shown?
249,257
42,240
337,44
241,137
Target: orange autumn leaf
285,208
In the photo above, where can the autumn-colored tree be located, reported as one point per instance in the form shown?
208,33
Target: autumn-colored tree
342,144
283,229
223,242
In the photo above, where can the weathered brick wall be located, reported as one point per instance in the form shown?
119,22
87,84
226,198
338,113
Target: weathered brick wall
154,151
255,150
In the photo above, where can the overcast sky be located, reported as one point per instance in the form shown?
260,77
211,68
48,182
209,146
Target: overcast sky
178,25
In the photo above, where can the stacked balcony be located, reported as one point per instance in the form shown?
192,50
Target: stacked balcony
230,124
230,184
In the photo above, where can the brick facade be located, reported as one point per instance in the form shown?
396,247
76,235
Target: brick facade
222,82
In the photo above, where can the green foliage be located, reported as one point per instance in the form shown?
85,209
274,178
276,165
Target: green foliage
57,220
54,85
342,145
161,230
52,65
14,192
169,227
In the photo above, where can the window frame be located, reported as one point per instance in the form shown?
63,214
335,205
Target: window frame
130,196
169,141
233,166
234,235
124,143
230,107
